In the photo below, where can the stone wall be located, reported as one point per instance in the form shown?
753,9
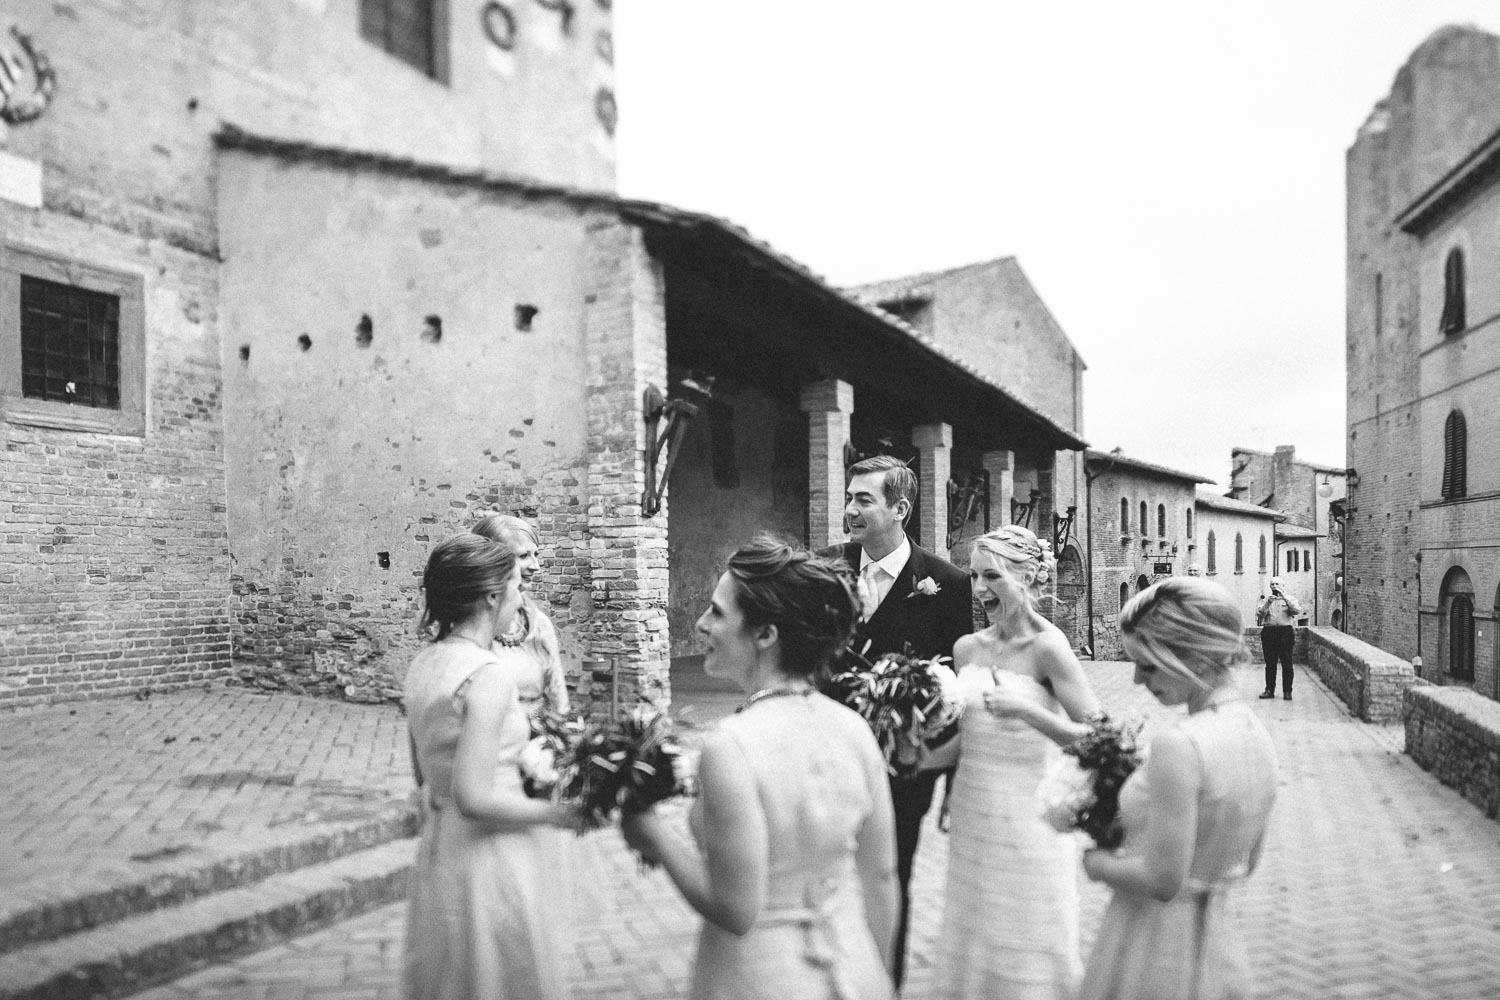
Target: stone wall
1455,734
379,397
1257,654
1369,681
114,560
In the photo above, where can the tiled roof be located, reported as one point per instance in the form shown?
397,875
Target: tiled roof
1295,531
911,286
640,212
1204,498
1109,459
1336,470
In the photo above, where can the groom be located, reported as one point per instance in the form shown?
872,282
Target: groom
910,597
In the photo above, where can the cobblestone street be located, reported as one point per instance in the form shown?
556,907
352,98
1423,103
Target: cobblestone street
1377,882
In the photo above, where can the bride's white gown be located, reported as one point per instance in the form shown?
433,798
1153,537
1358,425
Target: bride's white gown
1010,916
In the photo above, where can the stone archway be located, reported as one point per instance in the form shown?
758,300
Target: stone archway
1071,595
1456,626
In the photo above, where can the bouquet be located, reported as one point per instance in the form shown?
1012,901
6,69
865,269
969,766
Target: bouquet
626,765
551,735
1082,792
908,703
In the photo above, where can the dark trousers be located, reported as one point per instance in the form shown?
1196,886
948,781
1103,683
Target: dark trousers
910,798
1276,642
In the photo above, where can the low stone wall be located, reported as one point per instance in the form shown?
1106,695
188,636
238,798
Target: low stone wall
1370,681
1455,733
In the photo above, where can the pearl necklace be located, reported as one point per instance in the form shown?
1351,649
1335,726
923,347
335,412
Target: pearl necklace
775,692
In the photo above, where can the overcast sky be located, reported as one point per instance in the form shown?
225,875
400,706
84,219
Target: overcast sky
1169,173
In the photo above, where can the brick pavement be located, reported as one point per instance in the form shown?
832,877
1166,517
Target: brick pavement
1377,882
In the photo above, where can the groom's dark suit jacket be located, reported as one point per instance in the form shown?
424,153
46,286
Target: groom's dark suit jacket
930,624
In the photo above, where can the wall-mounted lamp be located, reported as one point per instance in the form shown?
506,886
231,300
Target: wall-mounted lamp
1062,525
679,413
1020,513
966,502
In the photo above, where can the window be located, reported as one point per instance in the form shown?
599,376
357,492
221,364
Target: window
72,344
1453,292
1455,457
1461,637
1307,560
1124,593
1144,531
1161,520
1262,553
1124,516
1189,513
1291,560
1213,555
411,30
1239,553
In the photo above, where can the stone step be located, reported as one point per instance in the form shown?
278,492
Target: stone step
46,911
128,955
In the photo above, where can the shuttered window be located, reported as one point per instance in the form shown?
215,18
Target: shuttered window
1239,553
1213,555
1455,457
1262,553
1461,638
1453,319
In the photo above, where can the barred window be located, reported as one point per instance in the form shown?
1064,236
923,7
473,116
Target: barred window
70,344
410,30
1455,457
1453,320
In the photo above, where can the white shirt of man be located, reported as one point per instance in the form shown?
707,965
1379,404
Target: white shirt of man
1279,610
883,576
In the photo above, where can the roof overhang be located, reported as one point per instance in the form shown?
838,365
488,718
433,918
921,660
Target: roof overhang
1474,173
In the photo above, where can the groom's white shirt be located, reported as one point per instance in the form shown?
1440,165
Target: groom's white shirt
890,568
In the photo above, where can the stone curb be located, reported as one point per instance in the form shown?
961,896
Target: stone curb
124,957
58,908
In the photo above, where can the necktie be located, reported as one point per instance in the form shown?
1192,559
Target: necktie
869,589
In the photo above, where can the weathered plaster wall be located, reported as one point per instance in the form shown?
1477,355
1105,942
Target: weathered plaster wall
991,316
339,452
1250,583
714,513
143,86
114,560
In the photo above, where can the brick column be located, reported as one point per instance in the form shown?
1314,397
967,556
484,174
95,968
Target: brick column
934,444
1041,518
827,404
1001,465
625,336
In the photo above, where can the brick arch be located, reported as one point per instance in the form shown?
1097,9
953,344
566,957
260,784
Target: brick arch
1455,624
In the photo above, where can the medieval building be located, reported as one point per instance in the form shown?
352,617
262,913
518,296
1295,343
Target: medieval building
290,290
1422,560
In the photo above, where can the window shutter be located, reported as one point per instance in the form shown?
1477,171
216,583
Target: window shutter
1461,638
1453,292
1455,456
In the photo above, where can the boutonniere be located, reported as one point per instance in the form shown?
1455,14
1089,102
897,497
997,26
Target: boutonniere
926,586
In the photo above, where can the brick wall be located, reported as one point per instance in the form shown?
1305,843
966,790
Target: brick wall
113,560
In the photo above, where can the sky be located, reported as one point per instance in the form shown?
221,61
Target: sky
1168,173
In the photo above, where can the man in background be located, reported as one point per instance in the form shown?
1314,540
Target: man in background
1276,614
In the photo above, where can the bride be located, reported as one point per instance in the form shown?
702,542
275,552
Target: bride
1010,918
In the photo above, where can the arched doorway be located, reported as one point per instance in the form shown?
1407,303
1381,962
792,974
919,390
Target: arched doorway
1456,625
1338,619
1071,589
1142,582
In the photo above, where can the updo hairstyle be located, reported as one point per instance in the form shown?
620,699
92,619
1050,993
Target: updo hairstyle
461,570
809,598
500,528
1018,546
1188,626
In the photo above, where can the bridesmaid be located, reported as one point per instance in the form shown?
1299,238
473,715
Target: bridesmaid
483,917
792,859
543,684
1195,814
